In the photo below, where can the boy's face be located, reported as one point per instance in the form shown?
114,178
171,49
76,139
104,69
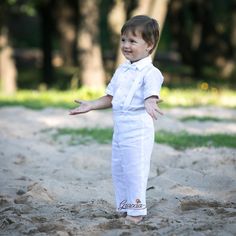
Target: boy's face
133,46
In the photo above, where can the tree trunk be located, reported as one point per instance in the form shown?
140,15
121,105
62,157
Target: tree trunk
66,26
229,71
89,50
117,19
156,9
8,71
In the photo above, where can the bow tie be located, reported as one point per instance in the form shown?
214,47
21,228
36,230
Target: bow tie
128,66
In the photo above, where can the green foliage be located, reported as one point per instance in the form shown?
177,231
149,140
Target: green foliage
29,78
27,7
181,140
203,96
11,2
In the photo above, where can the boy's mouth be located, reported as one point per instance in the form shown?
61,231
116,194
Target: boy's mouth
127,52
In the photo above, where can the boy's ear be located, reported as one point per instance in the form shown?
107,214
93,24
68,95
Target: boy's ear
150,47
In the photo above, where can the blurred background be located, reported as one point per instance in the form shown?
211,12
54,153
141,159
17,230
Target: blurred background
71,44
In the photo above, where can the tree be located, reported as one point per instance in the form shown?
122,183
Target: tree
28,7
201,31
66,21
8,71
116,19
89,50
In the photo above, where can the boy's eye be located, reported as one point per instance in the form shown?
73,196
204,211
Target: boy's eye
133,41
129,40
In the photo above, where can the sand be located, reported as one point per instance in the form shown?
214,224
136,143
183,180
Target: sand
48,187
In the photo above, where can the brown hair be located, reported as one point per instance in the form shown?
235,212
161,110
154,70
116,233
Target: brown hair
148,27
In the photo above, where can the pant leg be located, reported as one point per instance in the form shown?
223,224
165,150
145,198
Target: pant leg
137,148
136,171
118,175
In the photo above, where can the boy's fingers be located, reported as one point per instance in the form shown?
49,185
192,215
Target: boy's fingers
74,112
155,116
71,112
159,111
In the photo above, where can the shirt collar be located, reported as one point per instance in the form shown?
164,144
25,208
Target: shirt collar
139,64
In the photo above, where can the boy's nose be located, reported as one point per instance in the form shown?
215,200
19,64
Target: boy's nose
126,44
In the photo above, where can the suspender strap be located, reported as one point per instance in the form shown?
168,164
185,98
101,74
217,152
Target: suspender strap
134,88
131,92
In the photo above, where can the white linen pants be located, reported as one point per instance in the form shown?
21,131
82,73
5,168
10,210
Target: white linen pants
132,146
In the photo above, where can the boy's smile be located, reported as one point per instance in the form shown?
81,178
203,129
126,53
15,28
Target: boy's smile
133,46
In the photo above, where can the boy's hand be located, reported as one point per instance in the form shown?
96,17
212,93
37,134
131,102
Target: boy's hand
151,106
84,107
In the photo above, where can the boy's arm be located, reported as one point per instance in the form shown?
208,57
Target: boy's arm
86,106
151,106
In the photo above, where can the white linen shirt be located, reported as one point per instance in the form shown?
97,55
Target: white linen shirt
147,79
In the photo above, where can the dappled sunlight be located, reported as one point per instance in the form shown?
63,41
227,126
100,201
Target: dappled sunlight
60,118
198,97
203,111
53,120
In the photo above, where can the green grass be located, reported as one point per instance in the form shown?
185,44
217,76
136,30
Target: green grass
180,140
183,140
85,135
42,99
206,118
201,96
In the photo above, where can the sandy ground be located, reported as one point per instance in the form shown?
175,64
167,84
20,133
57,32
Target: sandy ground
50,188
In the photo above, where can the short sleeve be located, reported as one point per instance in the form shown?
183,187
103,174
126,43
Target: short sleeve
110,89
152,83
